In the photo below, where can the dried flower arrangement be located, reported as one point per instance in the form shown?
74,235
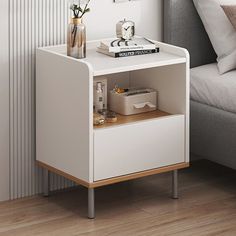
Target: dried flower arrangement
80,9
76,35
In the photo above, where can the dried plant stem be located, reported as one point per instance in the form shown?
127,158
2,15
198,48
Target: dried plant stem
86,7
74,33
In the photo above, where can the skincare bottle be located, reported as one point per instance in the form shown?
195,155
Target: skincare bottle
98,97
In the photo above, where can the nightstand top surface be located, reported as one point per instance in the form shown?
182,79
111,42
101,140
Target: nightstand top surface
102,64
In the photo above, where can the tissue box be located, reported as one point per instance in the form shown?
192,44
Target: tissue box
134,101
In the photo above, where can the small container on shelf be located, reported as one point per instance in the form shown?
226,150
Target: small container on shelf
133,101
110,116
103,81
98,98
98,119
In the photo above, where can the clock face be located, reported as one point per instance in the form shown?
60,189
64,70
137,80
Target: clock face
127,30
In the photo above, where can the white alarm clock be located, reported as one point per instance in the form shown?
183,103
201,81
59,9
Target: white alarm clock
125,29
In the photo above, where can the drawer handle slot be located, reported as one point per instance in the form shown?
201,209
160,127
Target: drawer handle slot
144,104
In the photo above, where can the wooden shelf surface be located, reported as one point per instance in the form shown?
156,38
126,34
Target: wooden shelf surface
122,120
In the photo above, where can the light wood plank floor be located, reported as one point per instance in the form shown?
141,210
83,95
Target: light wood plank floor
207,206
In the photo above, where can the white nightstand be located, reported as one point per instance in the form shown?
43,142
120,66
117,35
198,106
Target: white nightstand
135,146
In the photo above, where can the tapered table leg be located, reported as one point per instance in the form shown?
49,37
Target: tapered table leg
46,182
175,194
91,203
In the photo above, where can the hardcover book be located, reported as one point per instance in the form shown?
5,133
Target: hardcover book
120,45
128,53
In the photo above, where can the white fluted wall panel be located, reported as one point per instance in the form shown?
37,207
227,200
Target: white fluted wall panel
33,23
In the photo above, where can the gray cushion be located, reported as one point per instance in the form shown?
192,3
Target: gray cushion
183,27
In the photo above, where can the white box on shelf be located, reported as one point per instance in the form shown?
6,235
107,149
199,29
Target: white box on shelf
133,102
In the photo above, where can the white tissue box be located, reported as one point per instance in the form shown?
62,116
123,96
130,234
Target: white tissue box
133,102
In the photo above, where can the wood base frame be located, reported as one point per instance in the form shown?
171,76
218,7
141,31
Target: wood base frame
115,179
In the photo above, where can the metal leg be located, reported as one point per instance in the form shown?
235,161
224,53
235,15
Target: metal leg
91,204
46,182
175,194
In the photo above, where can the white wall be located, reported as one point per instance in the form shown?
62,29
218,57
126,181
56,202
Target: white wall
4,102
147,14
35,23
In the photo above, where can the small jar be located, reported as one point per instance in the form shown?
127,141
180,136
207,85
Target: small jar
98,119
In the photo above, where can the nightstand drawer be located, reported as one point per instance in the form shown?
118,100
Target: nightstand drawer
141,146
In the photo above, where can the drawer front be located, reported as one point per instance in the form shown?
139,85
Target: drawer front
138,147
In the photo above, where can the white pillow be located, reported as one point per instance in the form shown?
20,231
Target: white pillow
220,31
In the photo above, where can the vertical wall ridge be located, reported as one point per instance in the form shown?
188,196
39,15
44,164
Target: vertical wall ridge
4,100
33,23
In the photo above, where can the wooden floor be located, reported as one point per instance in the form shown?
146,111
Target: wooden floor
207,206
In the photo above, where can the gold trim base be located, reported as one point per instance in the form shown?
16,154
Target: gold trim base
114,180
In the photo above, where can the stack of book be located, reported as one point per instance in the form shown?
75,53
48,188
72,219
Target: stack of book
123,48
